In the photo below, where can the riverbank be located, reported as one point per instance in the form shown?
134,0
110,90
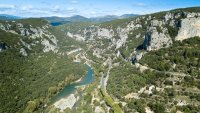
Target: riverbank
68,97
67,102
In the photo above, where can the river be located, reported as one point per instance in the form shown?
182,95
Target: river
71,89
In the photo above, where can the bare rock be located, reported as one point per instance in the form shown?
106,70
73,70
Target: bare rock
190,27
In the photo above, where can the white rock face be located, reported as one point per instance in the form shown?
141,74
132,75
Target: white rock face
139,56
148,110
99,109
132,26
42,35
181,102
19,25
141,67
23,52
2,26
69,34
190,27
138,36
102,32
73,51
123,36
155,40
97,32
66,102
156,23
168,16
12,31
118,53
123,33
76,36
47,46
150,89
79,37
192,15
132,95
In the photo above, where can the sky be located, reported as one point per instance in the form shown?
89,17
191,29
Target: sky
89,8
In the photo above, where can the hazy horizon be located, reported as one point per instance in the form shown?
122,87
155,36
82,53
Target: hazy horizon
89,8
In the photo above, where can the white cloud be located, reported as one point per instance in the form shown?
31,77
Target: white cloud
140,4
7,6
10,12
56,8
71,10
26,7
74,2
93,13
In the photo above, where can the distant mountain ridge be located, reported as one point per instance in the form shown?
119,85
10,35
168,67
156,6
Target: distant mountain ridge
55,21
9,17
128,15
79,18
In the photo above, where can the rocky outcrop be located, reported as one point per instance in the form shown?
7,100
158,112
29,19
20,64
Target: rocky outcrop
157,30
188,24
103,32
190,27
99,109
67,102
48,46
122,33
117,36
156,23
35,36
23,52
155,40
78,37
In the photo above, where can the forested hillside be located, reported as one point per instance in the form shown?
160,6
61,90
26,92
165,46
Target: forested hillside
30,76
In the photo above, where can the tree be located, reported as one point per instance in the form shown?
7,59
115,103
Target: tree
157,107
137,105
52,91
32,105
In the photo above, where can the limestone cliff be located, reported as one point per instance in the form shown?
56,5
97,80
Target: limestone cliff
148,32
190,27
30,36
